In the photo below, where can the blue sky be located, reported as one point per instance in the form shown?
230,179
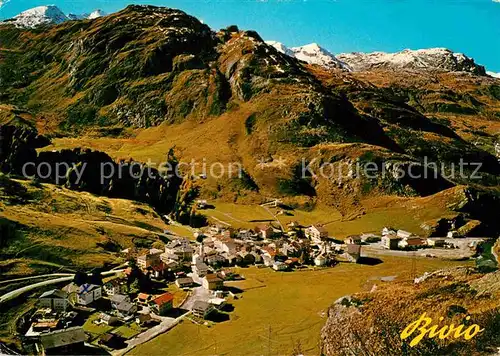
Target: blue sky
468,26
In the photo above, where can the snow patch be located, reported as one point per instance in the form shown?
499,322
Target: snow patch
96,14
311,53
493,74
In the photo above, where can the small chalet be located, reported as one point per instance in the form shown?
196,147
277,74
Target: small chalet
320,261
264,231
202,309
412,241
144,299
390,242
109,319
152,258
353,240
181,248
279,266
353,252
114,285
404,234
388,231
126,310
436,242
88,293
212,282
163,303
118,299
185,282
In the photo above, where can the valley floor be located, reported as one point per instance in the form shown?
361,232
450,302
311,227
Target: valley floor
281,313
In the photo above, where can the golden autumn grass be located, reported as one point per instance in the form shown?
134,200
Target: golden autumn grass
279,311
69,228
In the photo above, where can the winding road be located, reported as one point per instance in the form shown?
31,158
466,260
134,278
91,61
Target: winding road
15,293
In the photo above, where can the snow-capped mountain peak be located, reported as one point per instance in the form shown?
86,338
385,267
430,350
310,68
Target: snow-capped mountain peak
95,14
311,53
315,54
281,48
441,59
40,15
46,15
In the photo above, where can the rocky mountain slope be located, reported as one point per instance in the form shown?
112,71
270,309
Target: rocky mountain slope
371,323
137,82
47,15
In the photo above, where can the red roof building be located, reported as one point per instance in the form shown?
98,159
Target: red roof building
163,303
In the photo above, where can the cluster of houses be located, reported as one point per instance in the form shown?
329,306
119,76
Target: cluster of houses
200,263
56,326
399,239
218,247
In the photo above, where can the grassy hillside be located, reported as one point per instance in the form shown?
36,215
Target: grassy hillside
143,80
51,228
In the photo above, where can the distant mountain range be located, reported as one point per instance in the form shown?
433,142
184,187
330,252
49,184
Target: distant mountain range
48,15
440,59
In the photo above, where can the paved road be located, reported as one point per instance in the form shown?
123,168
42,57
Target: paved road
165,325
7,281
19,291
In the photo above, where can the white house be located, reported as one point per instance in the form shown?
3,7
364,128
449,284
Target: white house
320,261
353,240
403,234
388,231
435,242
226,245
280,266
181,248
118,299
88,293
316,233
264,231
412,241
390,241
199,267
115,286
268,260
370,238
54,299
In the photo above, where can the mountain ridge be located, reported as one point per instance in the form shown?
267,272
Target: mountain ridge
161,77
47,15
428,59
420,59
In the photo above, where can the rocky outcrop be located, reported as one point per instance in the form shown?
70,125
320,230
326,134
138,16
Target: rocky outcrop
87,170
371,323
96,172
18,144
